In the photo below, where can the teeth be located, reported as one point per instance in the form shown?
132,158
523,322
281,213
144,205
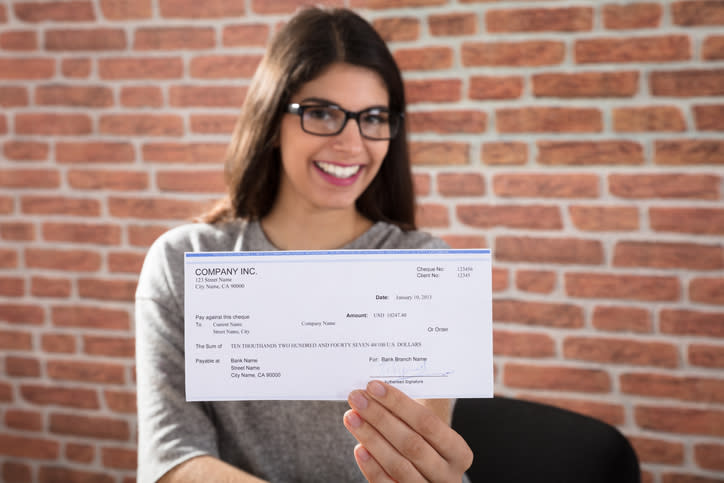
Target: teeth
338,171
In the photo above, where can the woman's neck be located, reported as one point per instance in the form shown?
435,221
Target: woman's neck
301,230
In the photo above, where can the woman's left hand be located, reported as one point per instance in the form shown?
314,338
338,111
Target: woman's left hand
402,440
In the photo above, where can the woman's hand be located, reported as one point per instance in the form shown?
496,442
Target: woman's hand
402,440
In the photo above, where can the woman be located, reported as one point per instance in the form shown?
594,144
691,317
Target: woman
318,161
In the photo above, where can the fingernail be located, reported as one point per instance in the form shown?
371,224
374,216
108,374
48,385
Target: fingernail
363,454
353,419
376,389
358,400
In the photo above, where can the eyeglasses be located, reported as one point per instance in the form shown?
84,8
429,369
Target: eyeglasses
377,123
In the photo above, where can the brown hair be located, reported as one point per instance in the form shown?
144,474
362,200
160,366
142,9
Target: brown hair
310,42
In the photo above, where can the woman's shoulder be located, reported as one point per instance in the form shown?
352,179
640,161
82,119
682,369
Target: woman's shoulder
384,235
197,237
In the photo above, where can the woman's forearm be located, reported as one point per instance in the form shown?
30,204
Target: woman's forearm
205,469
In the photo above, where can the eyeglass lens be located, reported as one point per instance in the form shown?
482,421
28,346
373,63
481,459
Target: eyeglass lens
373,123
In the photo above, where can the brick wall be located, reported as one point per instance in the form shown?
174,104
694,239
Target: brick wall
581,141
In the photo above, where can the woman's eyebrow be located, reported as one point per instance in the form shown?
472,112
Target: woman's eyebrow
327,102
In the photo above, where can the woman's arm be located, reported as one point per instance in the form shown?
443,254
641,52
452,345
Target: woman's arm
207,468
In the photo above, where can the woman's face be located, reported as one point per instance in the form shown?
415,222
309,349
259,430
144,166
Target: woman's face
331,172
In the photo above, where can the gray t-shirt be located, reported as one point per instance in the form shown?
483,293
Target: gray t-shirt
280,441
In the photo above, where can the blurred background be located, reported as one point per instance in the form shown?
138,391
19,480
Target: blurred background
581,141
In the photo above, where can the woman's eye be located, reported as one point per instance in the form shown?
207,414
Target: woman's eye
319,113
376,118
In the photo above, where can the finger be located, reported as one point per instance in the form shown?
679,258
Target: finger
369,467
407,460
446,442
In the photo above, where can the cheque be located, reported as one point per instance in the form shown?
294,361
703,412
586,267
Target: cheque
318,324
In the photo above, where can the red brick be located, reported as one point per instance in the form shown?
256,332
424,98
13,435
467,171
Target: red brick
425,153
66,11
82,233
252,35
466,241
586,84
170,38
691,322
22,366
622,319
700,221
53,124
460,184
536,281
430,215
628,287
651,450
109,346
54,205
452,24
16,313
185,153
94,152
7,205
538,313
3,125
121,401
120,290
50,287
15,340
74,96
155,208
710,456
548,119
605,218
548,250
433,90
397,29
194,182
16,472
691,186
80,453
689,152
224,66
706,355
143,236
697,389
24,68
621,351
515,54
108,180
709,422
29,178
687,83
19,40
682,478
421,182
588,153
121,458
52,474
195,10
12,286
58,343
206,96
75,67
556,378
87,39
613,414
141,96
703,12
24,420
500,279
6,392
709,118
56,259
518,344
633,16
26,151
81,371
691,256
90,317
575,19
382,4
707,290
532,185
646,119
713,48
424,58
140,68
125,262
213,124
495,87
17,231
504,153
8,258
13,96
447,122
141,124
537,217
633,49
26,447
90,427
3,14
126,9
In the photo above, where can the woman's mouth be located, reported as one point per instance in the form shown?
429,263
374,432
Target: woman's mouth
338,171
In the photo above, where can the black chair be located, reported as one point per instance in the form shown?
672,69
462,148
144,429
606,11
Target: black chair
522,441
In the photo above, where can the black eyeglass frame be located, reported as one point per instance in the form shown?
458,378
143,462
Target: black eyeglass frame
298,109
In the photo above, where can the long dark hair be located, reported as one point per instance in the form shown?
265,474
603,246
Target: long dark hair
310,42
